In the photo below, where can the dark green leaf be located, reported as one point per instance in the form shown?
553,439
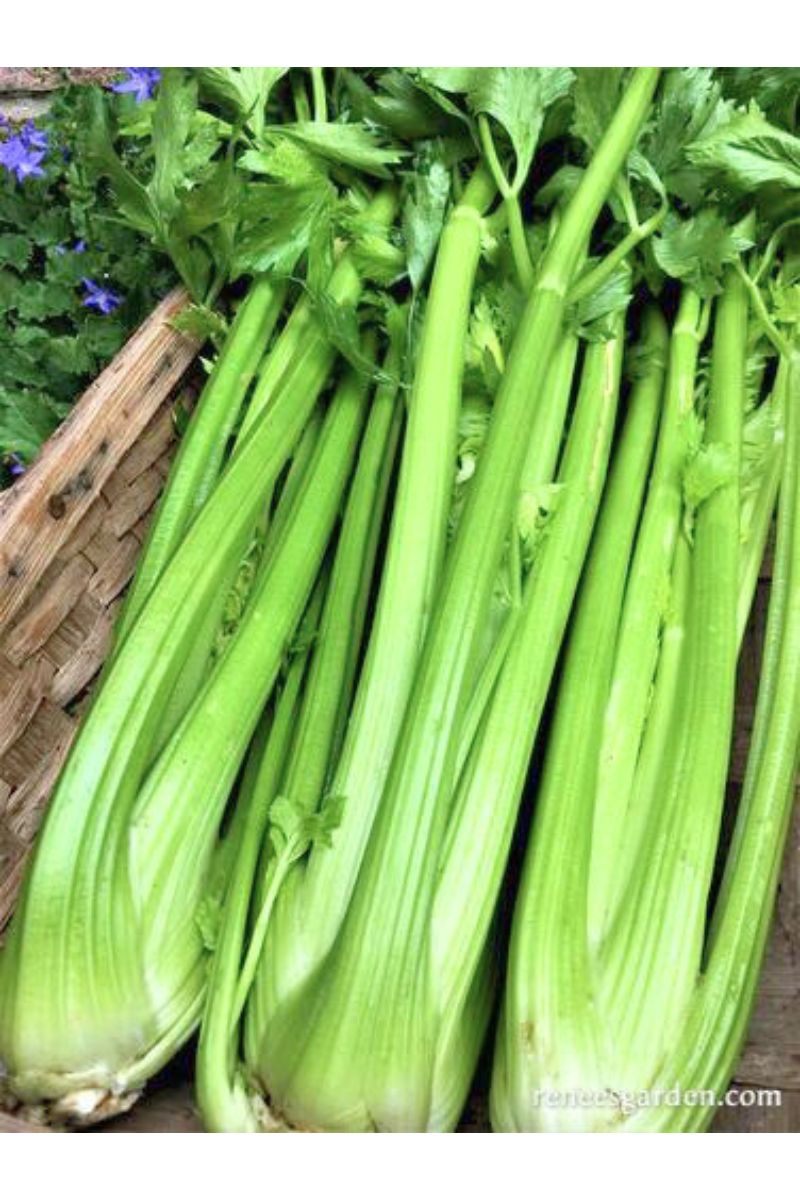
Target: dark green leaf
423,215
750,153
344,145
15,250
698,249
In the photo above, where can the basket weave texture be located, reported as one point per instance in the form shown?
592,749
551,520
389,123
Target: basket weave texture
70,532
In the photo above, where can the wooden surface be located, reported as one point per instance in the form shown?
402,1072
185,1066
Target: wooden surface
70,532
39,515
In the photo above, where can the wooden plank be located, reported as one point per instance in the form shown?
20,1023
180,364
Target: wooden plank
79,670
21,692
150,447
25,758
111,576
44,617
40,512
135,501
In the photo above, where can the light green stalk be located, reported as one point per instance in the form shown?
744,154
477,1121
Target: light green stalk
643,613
549,1033
487,799
655,946
113,1003
203,448
715,1023
759,509
329,1057
222,1095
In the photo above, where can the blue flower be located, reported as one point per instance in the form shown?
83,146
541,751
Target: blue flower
15,465
79,246
21,160
141,82
101,298
33,138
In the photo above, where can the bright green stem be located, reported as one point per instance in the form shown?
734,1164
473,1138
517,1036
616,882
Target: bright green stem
202,449
413,563
224,1101
716,1023
762,508
643,612
487,800
78,1009
549,1033
597,276
318,94
204,753
222,1095
302,334
391,1085
516,228
654,953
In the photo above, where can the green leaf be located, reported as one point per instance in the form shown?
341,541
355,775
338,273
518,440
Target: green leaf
750,153
776,89
172,119
697,250
34,300
710,469
340,325
278,221
293,830
344,145
132,196
596,94
398,104
690,106
27,419
201,322
15,250
423,216
591,317
241,91
517,98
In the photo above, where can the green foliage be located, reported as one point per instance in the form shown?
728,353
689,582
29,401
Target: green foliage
696,250
51,345
423,214
750,153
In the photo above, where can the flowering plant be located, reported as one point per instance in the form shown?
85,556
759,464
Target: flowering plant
74,280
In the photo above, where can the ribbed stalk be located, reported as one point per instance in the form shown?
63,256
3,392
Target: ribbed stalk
222,1093
389,1087
762,507
412,568
716,1022
108,996
549,1034
654,954
203,447
643,613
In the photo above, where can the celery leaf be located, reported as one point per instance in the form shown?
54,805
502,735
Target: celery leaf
697,250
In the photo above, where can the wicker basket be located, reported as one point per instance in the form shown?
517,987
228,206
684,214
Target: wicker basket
70,532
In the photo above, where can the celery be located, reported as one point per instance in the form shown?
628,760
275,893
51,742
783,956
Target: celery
583,1015
324,1057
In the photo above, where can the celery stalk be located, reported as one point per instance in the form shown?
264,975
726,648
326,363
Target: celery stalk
328,1057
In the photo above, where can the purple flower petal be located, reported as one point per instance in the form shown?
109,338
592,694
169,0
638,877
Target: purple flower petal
141,83
33,138
20,159
100,298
